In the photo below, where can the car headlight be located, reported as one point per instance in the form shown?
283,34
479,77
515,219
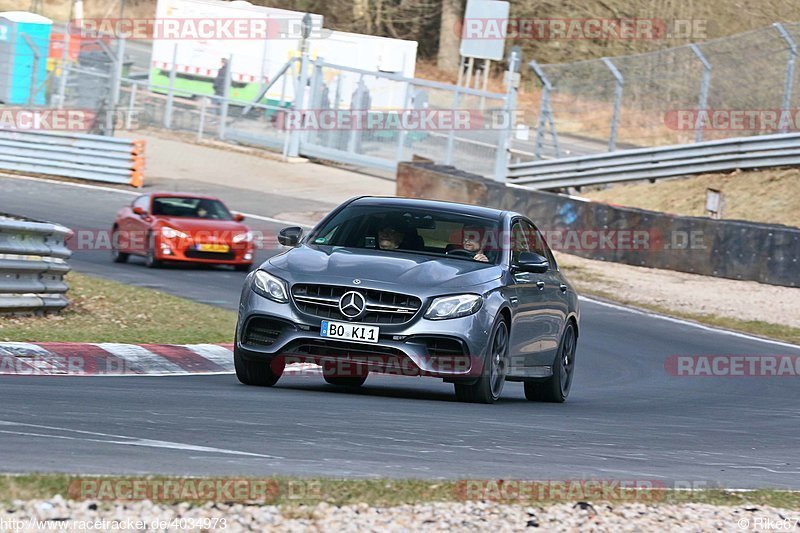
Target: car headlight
269,286
454,306
243,237
172,233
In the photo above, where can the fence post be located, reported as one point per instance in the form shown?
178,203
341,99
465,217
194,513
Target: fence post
315,99
131,106
116,82
402,134
509,110
226,91
35,70
451,137
353,144
789,80
299,105
612,139
202,120
62,85
703,101
545,114
62,80
171,91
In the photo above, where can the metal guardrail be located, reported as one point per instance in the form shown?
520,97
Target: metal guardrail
73,155
33,262
663,162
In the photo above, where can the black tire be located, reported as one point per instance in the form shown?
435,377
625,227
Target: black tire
261,373
243,268
116,255
463,392
150,260
489,386
555,389
329,370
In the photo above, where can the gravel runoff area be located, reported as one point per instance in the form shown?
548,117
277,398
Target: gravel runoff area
462,516
684,292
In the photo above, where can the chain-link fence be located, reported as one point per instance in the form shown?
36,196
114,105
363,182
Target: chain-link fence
383,119
379,118
746,84
741,85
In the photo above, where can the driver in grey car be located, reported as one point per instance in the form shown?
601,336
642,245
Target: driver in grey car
473,243
389,237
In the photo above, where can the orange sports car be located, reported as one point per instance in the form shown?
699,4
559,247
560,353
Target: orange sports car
181,227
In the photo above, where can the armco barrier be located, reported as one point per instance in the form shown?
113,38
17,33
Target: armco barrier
722,248
33,262
662,162
73,155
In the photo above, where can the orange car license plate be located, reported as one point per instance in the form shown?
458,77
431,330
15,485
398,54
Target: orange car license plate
219,248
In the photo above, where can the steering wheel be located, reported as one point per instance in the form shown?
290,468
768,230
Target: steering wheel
461,252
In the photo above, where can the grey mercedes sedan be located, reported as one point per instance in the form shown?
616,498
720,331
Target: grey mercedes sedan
467,294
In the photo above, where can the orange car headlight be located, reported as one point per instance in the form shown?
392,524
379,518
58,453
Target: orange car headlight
243,237
172,233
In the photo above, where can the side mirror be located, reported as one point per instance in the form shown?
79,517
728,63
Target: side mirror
531,262
290,236
139,211
238,217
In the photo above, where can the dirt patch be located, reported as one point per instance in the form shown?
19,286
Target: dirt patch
759,196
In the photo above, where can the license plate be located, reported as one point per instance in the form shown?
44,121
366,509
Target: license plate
354,332
219,248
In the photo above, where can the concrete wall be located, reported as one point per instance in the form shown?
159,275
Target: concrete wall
723,248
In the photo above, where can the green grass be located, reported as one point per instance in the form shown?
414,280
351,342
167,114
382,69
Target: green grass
380,492
107,311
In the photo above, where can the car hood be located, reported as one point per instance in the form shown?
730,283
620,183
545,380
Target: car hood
190,225
325,263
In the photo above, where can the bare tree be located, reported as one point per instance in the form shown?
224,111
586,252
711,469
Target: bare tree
449,35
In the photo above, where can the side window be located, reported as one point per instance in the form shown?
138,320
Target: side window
526,238
535,240
519,242
539,245
143,202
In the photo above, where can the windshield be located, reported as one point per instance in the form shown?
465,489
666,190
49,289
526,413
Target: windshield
176,206
446,234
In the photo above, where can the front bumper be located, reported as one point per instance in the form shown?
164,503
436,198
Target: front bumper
186,250
448,349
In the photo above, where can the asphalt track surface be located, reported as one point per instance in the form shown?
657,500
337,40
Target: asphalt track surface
627,418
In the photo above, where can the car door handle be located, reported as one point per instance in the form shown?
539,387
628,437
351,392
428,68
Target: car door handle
563,287
540,284
513,300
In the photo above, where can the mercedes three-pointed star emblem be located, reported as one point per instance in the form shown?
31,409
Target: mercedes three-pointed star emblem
352,304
